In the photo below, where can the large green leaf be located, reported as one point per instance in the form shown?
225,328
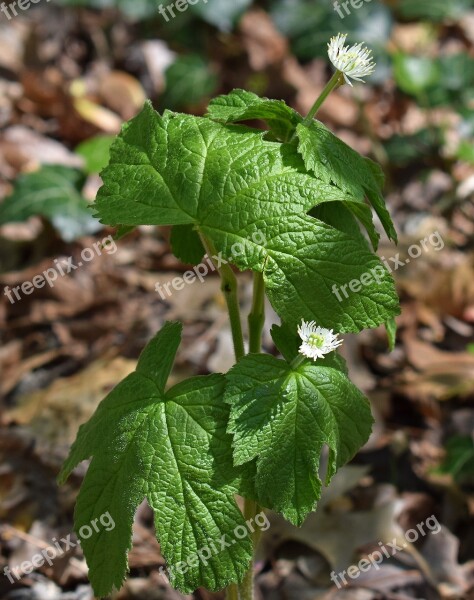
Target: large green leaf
248,194
334,161
52,192
172,449
283,416
241,105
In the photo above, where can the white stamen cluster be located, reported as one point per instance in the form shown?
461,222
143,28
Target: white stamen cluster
354,62
317,341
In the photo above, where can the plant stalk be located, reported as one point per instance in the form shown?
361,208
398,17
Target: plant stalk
229,288
256,320
232,592
256,317
246,588
336,80
297,361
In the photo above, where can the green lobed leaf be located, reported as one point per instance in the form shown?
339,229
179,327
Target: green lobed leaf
172,449
233,185
334,161
53,192
283,416
241,105
339,217
186,244
308,271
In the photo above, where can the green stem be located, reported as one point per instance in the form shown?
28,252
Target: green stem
229,288
336,80
297,361
257,314
232,592
256,321
246,588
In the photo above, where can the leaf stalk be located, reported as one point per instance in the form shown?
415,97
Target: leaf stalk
229,288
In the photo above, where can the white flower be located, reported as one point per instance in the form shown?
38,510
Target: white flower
317,341
355,61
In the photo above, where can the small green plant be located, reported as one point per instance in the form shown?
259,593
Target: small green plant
257,431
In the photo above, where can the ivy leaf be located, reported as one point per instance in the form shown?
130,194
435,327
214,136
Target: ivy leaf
188,81
186,244
334,161
415,74
241,105
232,184
53,192
459,459
172,449
95,152
283,416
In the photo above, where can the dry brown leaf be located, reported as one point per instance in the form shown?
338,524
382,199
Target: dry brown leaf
265,45
122,93
54,414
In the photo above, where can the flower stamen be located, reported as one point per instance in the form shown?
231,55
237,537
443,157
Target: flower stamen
316,341
353,62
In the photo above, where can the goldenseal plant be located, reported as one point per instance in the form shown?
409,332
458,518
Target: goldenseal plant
257,431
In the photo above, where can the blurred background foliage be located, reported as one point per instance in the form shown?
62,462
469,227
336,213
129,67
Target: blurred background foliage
71,72
423,52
